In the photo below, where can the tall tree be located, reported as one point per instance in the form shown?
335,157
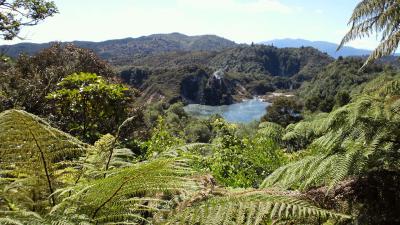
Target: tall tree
32,78
15,14
381,17
87,105
283,111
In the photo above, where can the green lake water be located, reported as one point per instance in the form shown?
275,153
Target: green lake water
243,112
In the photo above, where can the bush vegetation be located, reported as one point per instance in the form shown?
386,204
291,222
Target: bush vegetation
191,170
79,147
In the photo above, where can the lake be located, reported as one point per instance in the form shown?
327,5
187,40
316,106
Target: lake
243,112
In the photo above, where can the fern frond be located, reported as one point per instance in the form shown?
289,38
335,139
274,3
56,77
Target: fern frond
110,199
183,150
20,217
32,150
319,170
292,174
376,16
385,48
22,134
271,130
391,88
363,134
251,207
299,135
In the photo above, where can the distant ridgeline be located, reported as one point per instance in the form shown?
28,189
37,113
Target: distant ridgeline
323,46
203,69
122,51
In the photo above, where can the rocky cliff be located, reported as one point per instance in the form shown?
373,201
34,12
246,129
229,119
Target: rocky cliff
223,77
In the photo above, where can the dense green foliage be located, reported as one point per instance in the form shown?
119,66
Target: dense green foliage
122,52
106,183
148,162
338,79
243,161
299,63
173,120
283,111
39,85
349,142
254,207
99,184
36,159
87,106
243,71
30,79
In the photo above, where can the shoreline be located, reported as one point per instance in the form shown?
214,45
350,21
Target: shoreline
269,97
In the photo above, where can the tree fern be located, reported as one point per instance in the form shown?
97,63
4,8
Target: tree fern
350,140
93,165
271,130
31,218
105,155
35,155
317,170
380,17
298,136
19,218
126,194
252,207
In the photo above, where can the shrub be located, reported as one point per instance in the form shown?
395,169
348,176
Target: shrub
283,111
87,105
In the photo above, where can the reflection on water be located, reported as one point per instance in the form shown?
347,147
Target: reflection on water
244,112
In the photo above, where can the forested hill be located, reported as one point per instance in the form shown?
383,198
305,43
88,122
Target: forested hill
259,59
118,51
284,62
180,67
241,72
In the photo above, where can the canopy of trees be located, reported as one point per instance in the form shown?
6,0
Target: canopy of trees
349,155
78,147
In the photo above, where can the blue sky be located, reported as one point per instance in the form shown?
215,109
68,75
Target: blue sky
243,21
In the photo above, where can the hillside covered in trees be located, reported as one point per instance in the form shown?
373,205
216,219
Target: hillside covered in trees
245,71
156,163
124,51
161,69
162,65
85,141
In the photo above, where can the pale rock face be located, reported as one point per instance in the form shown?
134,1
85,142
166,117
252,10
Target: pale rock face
208,89
219,74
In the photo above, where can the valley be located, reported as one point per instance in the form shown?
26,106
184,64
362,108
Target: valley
177,129
210,70
176,67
